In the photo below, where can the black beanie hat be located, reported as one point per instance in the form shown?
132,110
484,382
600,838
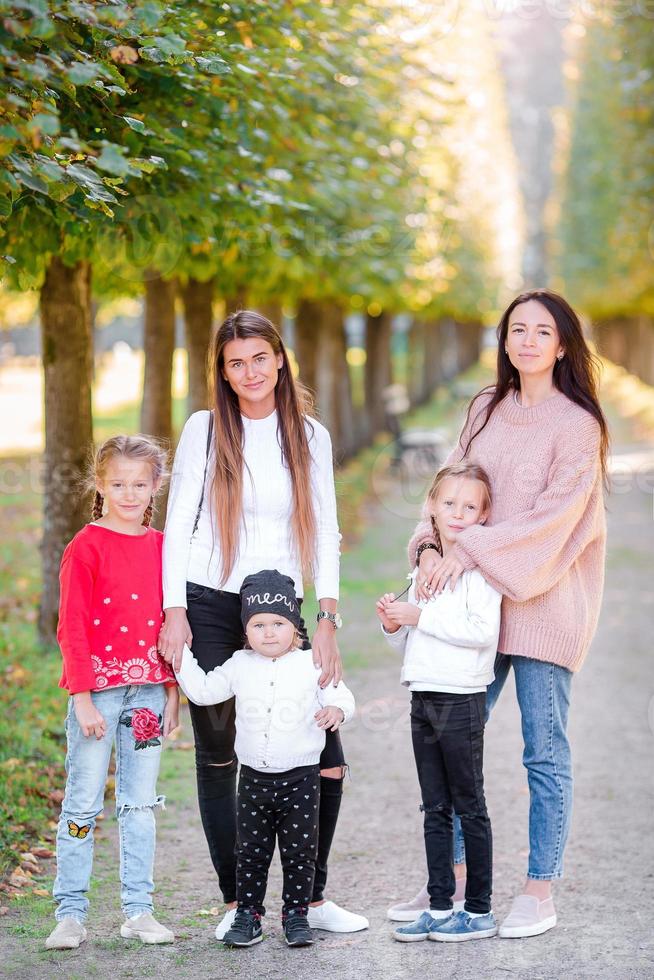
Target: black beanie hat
269,592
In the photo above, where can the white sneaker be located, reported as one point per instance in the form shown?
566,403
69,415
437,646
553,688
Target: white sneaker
413,909
146,928
332,918
225,923
67,934
528,917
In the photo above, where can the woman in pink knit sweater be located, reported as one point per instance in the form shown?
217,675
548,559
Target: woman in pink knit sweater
541,435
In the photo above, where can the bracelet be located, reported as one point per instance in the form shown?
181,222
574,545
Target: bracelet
425,546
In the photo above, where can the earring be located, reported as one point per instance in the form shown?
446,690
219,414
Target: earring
560,356
506,350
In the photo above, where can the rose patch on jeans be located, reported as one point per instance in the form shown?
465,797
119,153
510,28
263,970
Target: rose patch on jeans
146,727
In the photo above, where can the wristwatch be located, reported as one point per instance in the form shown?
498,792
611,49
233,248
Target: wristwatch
333,618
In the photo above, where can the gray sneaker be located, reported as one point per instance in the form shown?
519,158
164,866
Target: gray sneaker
67,934
146,928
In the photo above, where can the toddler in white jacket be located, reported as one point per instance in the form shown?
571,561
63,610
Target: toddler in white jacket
281,718
449,645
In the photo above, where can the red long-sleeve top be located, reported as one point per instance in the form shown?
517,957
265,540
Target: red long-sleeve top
110,610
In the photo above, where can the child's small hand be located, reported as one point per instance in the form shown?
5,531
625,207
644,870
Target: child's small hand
88,717
329,717
402,613
171,711
380,607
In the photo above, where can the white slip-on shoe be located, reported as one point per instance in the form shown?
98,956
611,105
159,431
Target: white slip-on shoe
332,918
413,909
528,917
225,923
67,934
146,928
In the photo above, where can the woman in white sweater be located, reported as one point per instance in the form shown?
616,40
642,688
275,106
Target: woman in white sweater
252,487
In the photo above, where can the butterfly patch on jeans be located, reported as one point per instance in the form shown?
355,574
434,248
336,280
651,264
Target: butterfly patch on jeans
76,831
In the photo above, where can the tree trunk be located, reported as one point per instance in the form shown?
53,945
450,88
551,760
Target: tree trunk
67,342
434,335
416,363
378,370
646,349
308,328
198,320
334,392
158,347
468,341
271,310
237,301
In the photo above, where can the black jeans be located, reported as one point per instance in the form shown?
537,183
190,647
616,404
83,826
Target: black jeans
448,744
215,620
280,806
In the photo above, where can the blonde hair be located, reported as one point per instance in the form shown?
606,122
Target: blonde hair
467,471
143,448
292,402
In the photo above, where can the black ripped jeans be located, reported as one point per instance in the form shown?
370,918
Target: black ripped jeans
215,620
448,744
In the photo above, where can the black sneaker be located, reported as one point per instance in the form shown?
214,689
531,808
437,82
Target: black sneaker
246,929
296,928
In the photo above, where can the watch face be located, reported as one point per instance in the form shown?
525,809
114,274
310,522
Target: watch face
338,622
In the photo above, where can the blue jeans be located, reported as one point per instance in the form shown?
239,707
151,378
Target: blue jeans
137,768
543,692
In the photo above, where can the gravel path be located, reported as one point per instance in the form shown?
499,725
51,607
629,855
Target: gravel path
605,930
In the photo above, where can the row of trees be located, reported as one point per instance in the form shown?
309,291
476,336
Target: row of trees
324,156
606,231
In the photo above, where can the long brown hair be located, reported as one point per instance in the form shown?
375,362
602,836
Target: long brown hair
293,403
576,375
468,471
144,448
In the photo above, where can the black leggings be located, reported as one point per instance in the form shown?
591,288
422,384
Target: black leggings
282,807
215,620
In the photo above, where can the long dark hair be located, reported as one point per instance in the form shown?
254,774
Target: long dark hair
292,402
576,374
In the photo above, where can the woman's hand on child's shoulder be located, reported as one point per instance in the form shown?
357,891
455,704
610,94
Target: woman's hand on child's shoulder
329,717
380,607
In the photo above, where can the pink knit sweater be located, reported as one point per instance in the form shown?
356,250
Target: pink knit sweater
543,546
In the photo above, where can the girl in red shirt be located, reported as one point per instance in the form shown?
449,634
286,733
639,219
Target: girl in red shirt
121,691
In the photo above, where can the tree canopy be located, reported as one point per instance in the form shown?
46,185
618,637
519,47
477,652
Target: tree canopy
605,226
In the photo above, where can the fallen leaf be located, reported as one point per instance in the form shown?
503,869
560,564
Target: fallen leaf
211,911
41,892
20,878
56,796
43,852
4,909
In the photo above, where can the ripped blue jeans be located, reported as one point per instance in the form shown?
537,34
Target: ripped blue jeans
138,753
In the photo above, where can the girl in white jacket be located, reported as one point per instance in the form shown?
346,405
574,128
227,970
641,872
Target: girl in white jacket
449,646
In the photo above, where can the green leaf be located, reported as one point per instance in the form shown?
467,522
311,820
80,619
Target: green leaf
34,183
213,65
112,160
6,206
83,73
137,125
47,122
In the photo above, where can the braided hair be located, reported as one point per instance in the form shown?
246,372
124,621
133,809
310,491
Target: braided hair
469,471
140,447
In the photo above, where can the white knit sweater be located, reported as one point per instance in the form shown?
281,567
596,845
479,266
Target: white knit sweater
276,701
453,647
266,538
